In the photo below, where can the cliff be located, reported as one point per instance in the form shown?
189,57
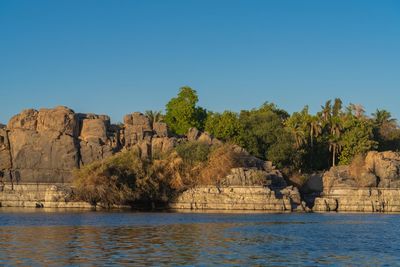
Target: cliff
44,146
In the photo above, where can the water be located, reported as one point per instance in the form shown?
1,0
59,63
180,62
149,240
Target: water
54,238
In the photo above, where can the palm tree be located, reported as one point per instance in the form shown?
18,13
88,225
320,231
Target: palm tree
315,128
337,107
357,110
335,147
326,111
383,117
334,140
154,116
296,125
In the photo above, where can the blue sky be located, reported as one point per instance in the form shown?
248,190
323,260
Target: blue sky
115,57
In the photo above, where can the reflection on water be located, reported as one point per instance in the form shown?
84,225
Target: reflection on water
145,239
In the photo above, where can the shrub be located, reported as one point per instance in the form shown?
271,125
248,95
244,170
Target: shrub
221,160
113,181
356,167
193,152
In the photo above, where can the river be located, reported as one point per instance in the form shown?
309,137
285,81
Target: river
92,238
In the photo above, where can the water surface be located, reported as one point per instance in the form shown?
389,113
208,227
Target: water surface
84,238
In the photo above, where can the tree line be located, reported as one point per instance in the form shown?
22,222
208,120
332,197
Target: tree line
301,142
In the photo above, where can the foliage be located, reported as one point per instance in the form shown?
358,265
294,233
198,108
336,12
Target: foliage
182,112
221,160
154,116
112,181
357,139
300,142
225,126
386,132
193,152
261,129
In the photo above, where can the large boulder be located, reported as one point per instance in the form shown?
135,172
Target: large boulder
377,169
60,119
26,120
160,129
98,138
137,127
161,145
385,166
46,145
338,176
47,156
252,177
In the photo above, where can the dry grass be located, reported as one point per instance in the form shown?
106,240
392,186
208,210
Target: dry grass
126,177
221,160
356,167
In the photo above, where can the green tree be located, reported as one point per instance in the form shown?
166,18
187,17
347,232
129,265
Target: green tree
182,112
356,139
335,147
263,132
386,130
225,126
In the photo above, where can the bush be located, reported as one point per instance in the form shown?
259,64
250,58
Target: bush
127,178
114,181
221,160
193,152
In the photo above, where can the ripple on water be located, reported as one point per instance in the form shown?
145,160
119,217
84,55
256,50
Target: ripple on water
141,239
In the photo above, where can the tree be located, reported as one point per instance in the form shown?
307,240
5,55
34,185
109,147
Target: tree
356,139
154,116
263,131
297,124
225,126
182,112
334,137
386,131
356,109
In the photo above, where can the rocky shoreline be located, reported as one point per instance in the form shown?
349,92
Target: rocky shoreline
39,150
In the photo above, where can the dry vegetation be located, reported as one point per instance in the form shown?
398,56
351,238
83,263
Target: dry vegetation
126,177
357,166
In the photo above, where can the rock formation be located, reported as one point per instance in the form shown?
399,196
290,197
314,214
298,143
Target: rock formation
45,146
368,185
246,190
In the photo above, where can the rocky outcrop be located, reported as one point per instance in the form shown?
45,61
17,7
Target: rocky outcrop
243,190
40,195
45,145
371,184
196,135
98,139
42,145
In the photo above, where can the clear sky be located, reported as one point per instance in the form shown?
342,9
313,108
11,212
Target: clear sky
115,57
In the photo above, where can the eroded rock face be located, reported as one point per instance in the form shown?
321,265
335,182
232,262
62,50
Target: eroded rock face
42,144
385,166
98,139
137,128
46,145
373,185
243,189
26,120
204,137
60,119
379,169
